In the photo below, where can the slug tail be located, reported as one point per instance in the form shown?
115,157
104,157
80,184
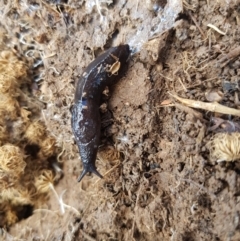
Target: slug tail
97,173
86,170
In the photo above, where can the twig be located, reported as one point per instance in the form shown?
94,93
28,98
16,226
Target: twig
184,87
196,23
234,53
216,29
189,110
198,84
87,236
213,107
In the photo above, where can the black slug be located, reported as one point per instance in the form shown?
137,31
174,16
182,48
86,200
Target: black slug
104,71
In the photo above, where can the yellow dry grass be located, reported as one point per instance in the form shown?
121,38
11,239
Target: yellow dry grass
225,146
12,160
25,179
35,132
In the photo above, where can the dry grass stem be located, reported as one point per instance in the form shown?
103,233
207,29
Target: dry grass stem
234,53
216,29
213,107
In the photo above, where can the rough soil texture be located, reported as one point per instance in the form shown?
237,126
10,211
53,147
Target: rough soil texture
160,181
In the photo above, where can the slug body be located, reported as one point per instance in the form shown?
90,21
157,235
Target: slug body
104,71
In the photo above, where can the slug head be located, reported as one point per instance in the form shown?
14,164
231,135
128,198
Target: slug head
122,52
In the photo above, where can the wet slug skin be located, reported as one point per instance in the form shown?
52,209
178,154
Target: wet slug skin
104,71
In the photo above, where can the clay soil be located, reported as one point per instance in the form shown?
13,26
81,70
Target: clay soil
160,180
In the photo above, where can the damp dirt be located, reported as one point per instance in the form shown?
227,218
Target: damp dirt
161,181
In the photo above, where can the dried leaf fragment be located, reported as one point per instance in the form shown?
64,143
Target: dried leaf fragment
214,95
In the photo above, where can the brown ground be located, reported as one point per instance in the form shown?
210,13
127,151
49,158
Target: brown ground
160,182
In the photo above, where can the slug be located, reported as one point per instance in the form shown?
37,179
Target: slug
104,71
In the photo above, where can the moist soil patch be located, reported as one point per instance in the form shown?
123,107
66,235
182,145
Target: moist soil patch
161,181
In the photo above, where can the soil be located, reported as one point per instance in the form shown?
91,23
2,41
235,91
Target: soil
160,179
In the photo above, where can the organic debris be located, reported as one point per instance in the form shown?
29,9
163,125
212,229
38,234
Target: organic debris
214,96
213,107
234,53
221,125
225,147
159,182
25,145
216,29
